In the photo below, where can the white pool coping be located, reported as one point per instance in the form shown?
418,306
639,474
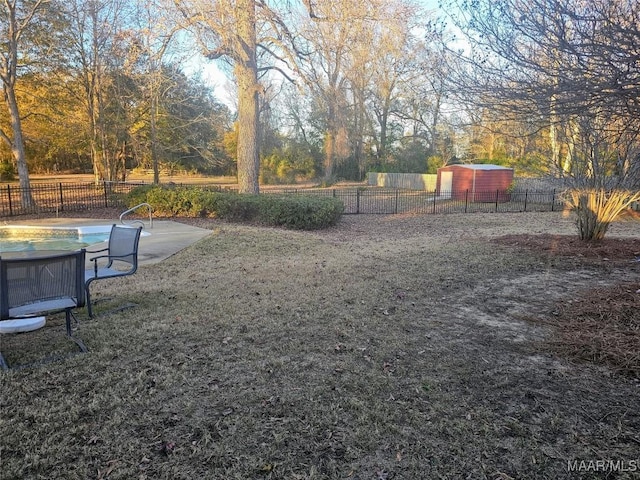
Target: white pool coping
79,230
163,240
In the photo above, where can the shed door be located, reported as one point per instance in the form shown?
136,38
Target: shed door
446,184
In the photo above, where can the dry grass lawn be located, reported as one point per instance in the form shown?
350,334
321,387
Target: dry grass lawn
388,347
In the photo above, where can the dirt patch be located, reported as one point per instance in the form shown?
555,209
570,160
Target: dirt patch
598,324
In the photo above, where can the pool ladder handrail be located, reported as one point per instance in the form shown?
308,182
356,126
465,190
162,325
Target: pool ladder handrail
137,222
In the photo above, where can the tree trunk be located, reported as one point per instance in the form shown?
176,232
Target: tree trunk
246,73
383,120
8,75
247,150
154,137
330,141
358,144
567,163
434,131
17,146
98,144
94,162
329,154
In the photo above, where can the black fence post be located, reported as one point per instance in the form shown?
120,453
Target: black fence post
497,198
61,197
357,200
434,201
10,202
553,200
106,197
466,200
526,194
396,207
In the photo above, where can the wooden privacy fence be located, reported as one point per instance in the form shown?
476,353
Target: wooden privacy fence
409,181
70,197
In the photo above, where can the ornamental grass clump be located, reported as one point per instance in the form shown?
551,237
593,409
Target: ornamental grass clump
595,209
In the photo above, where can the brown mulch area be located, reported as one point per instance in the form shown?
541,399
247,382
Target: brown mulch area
600,325
613,249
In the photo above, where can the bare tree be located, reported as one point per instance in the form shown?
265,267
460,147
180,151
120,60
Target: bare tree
423,96
155,32
356,45
572,67
95,49
229,30
392,52
325,72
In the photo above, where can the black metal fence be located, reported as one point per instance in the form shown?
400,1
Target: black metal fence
63,197
73,197
395,201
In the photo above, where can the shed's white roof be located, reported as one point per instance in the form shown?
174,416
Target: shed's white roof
482,166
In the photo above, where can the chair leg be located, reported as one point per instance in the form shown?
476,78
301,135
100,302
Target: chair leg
88,301
67,313
3,363
78,342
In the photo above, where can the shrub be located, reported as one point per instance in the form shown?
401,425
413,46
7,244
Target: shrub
300,212
434,162
138,195
7,172
174,201
287,165
237,207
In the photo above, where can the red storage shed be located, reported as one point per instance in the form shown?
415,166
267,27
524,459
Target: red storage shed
476,183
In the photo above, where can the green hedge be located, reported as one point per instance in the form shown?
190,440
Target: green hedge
302,212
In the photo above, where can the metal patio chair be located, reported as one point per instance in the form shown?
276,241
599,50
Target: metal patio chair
40,284
119,259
